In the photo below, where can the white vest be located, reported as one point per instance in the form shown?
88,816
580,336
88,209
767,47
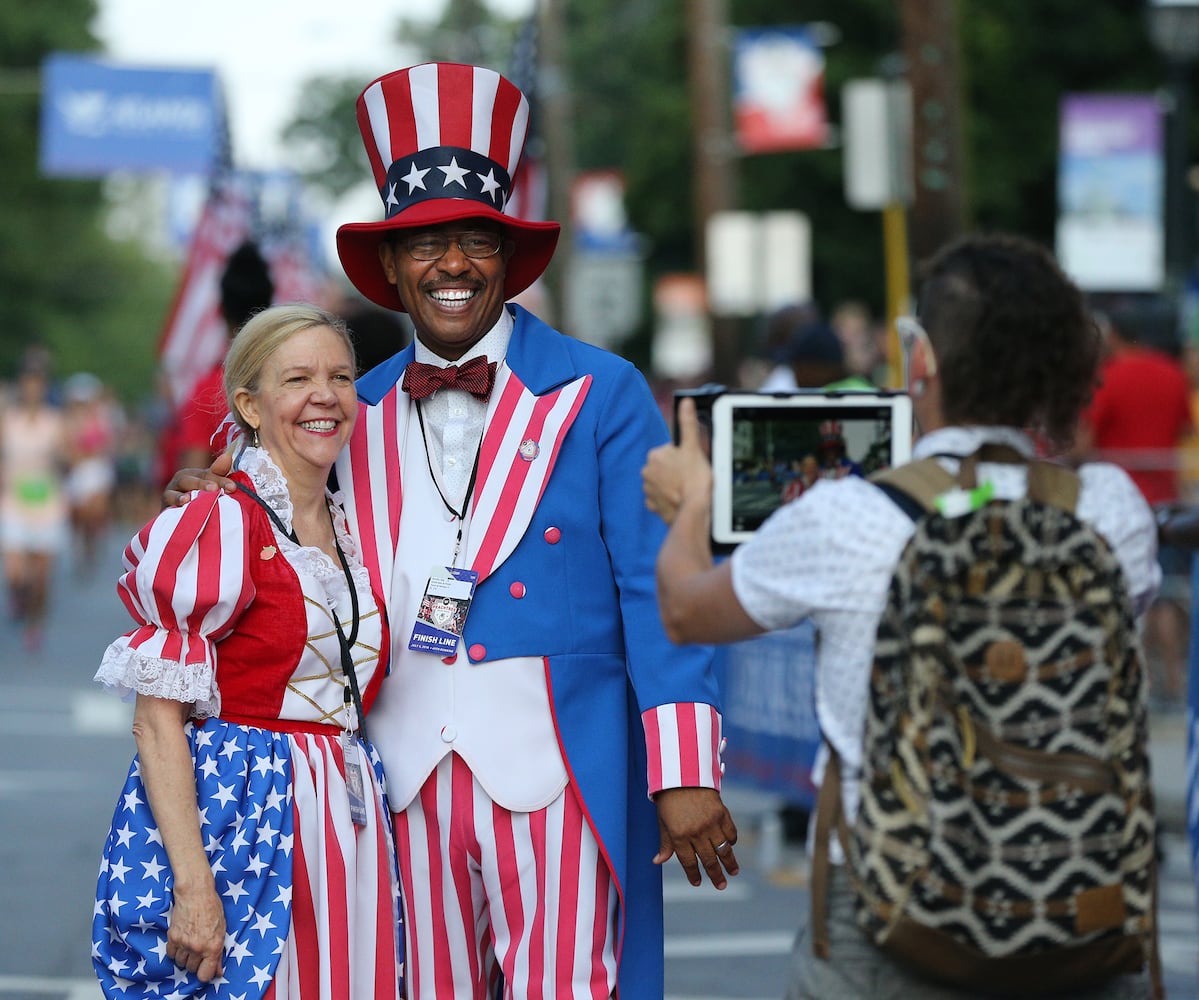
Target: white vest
495,715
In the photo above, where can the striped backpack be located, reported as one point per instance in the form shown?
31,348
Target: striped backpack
1005,840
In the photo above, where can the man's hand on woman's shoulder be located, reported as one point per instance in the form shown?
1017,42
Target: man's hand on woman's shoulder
184,482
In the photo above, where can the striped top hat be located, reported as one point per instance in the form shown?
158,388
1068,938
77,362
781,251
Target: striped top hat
444,141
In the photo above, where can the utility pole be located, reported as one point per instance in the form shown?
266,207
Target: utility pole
553,88
708,75
1174,30
929,30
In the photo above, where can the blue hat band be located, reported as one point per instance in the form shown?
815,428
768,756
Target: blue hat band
444,172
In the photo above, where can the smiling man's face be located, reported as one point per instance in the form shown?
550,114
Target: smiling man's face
455,299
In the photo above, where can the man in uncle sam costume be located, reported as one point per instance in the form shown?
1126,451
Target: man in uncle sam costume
545,744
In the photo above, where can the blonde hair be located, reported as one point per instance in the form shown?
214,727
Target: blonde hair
262,336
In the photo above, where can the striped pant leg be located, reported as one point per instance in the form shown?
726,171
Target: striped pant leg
342,940
487,890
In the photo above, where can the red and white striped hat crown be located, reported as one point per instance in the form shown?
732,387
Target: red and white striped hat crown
444,141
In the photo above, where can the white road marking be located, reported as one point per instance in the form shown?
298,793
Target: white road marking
727,944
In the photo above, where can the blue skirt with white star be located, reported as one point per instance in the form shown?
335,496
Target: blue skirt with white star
243,781
252,784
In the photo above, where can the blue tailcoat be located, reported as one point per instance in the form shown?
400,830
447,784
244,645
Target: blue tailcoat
585,559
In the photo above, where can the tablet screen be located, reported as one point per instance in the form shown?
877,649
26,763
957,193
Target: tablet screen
767,449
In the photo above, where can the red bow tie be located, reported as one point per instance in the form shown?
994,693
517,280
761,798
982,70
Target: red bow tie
475,376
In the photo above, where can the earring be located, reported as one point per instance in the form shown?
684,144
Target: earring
254,437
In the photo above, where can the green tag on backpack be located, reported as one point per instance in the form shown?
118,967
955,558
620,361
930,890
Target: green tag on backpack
958,502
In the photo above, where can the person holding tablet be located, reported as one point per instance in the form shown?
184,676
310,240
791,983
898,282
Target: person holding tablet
1004,349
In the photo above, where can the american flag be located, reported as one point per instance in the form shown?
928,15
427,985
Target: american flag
530,191
194,336
296,276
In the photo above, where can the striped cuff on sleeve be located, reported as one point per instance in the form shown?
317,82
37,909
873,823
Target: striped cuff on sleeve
684,745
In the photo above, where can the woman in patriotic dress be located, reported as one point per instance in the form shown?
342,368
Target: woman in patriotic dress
251,852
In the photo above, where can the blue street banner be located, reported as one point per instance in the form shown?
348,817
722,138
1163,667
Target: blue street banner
99,116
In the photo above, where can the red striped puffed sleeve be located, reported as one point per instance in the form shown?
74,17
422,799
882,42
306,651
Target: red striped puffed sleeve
186,583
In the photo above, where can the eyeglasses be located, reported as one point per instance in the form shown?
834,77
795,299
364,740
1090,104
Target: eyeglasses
910,330
434,246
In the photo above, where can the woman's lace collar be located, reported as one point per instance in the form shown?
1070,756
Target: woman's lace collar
270,485
269,482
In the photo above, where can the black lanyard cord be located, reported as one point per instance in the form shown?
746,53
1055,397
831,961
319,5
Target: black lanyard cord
470,486
347,644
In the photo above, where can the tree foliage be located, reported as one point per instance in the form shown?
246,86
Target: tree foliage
627,71
468,31
100,304
1015,79
324,134
97,304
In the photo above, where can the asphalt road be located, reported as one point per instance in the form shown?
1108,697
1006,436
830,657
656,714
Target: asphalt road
65,747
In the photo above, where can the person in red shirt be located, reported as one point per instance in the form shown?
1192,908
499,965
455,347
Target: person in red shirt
1141,410
1138,418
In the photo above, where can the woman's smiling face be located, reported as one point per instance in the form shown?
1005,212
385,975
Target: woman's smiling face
305,406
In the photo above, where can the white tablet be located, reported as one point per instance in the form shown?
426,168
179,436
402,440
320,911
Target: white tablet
768,448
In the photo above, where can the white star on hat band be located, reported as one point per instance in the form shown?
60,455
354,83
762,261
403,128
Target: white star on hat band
444,172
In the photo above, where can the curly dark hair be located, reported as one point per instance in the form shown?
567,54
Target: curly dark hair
1015,343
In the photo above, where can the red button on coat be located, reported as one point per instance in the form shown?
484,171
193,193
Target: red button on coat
478,651
517,590
552,535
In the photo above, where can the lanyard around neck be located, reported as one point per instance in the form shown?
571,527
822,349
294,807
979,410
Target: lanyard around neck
346,644
470,486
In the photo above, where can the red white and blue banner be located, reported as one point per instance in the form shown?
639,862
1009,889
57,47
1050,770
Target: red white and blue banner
778,90
98,116
194,337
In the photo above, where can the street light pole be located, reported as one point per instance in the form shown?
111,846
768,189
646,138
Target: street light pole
553,86
931,48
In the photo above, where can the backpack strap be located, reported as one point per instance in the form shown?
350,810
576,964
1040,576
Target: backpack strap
1157,980
1054,485
829,816
914,487
1048,482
